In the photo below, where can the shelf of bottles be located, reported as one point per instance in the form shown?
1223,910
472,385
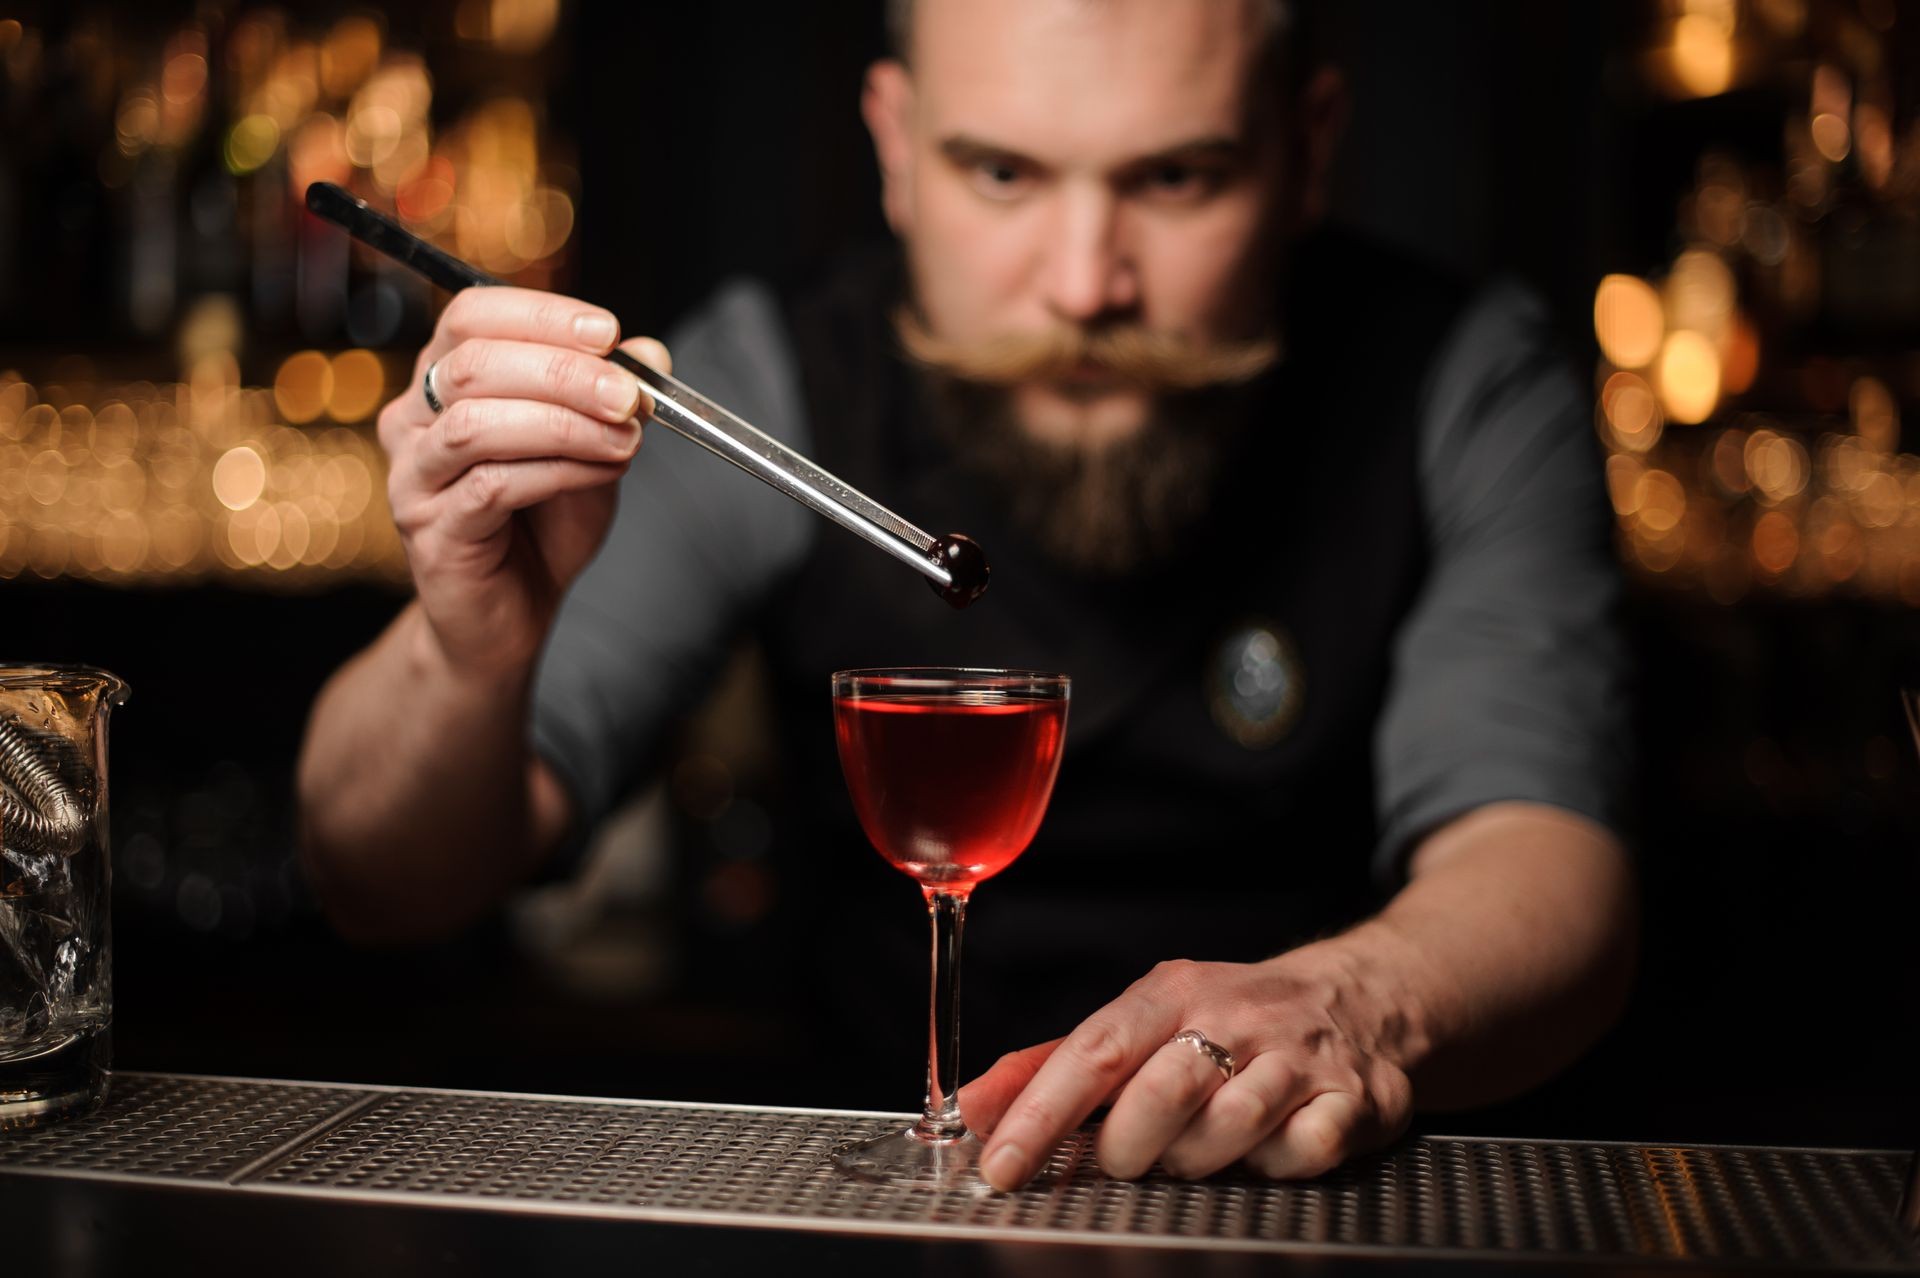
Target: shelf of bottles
1749,394
149,456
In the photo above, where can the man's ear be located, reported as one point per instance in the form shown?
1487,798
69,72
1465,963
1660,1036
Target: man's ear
886,103
1323,110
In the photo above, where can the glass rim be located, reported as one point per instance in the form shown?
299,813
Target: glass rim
22,675
956,678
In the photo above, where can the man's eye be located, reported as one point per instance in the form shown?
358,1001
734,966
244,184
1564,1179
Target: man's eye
1177,180
999,179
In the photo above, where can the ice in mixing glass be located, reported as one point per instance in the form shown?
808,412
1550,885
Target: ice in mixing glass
56,996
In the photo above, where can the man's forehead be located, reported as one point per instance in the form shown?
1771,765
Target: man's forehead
1088,74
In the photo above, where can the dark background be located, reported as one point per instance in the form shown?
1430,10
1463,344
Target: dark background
1776,1000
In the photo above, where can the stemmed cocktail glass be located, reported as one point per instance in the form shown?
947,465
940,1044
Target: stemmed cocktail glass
950,772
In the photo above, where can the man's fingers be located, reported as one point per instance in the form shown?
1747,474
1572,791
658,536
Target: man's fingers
1316,1138
1237,1117
480,501
1154,1108
472,431
984,1101
516,314
1083,1071
527,370
528,315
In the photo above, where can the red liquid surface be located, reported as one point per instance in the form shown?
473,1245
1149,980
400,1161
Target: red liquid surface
950,791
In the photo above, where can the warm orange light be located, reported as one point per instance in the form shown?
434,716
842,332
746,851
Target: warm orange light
1777,465
183,78
348,55
1728,463
1661,502
318,153
239,477
1875,414
303,385
372,134
1700,292
1880,500
1627,320
358,385
137,125
1739,356
1631,412
427,196
1689,377
1873,143
1831,137
1776,543
1701,55
1623,483
515,26
1831,92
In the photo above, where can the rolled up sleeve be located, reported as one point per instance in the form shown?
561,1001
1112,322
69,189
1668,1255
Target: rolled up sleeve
1510,677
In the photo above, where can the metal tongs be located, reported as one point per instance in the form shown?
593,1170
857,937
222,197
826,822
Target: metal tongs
953,565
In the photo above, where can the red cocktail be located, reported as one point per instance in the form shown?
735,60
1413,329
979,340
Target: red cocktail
949,789
950,772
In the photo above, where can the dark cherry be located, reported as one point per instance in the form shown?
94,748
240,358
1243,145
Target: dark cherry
966,563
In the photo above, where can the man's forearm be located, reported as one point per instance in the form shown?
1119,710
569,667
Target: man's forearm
1508,953
415,790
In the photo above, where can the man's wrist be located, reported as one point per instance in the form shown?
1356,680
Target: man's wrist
1382,990
434,664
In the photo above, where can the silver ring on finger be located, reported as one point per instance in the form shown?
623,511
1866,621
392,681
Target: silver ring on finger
1220,1058
426,388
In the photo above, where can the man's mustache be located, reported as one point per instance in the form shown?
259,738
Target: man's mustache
1140,357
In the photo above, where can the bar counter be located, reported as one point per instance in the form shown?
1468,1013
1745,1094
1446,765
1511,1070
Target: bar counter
250,1175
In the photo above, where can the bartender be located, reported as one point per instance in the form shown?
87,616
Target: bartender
1318,533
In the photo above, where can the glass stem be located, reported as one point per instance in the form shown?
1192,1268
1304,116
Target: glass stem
940,1120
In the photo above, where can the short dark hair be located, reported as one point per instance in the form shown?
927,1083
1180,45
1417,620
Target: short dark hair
1289,37
1288,24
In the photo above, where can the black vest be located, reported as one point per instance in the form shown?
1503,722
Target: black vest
1167,837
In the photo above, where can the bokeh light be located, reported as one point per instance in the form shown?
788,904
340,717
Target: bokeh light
139,480
1631,413
1628,320
303,385
251,143
1831,137
239,477
1700,292
1776,465
1701,54
1875,414
358,384
1776,543
1688,377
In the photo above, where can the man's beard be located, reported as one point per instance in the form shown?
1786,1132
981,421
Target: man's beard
1125,505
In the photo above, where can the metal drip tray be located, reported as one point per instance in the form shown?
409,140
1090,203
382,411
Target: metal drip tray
1431,1196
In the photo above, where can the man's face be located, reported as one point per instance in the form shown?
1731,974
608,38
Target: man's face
1080,165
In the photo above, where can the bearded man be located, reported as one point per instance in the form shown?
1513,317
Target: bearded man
1318,534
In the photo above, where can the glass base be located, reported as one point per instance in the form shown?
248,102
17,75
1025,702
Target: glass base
907,1158
63,1078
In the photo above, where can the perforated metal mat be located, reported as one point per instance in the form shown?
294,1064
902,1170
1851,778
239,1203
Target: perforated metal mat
1823,1209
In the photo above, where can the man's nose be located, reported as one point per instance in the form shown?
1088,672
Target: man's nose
1089,274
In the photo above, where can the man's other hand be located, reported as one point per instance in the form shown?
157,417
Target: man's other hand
1318,1076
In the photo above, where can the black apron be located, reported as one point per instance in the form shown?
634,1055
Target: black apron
1167,837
